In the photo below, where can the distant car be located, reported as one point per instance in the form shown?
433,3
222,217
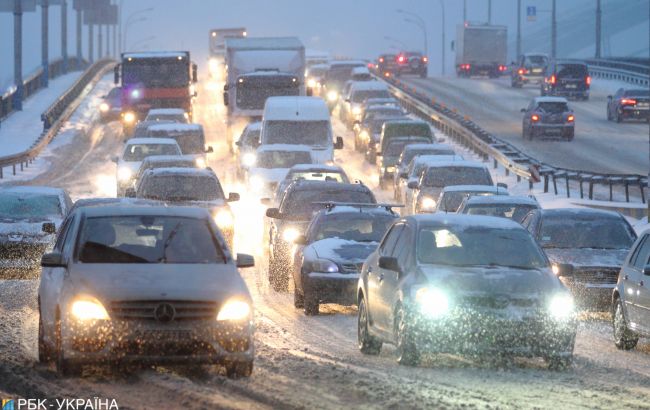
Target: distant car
168,114
352,106
329,256
530,68
591,243
135,151
368,129
291,217
412,150
628,104
548,116
389,158
387,64
144,284
361,74
339,72
111,106
441,174
452,196
160,161
512,207
463,284
631,298
190,137
315,75
405,127
567,79
191,187
30,216
411,62
246,146
272,162
142,128
311,172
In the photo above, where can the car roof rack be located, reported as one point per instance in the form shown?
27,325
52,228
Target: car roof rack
329,205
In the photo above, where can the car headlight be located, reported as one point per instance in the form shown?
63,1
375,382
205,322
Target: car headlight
234,310
332,96
256,183
129,118
88,308
323,266
356,110
214,65
390,169
200,162
224,219
249,159
432,302
561,307
311,83
290,234
364,135
103,107
124,173
428,203
555,269
135,94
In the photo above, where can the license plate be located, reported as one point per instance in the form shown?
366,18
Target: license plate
571,86
164,335
537,70
553,131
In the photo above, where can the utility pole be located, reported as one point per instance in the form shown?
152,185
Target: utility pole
464,11
599,15
114,40
489,11
100,44
78,38
64,34
442,6
45,78
18,55
108,49
518,28
91,41
553,31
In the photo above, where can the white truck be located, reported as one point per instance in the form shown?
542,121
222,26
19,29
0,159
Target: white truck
481,49
217,41
258,68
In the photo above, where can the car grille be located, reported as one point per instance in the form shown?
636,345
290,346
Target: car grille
602,276
495,302
351,267
146,310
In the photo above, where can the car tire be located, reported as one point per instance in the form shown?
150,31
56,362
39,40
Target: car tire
298,298
368,344
423,74
312,304
44,352
559,362
237,370
624,338
63,366
570,135
618,117
609,115
407,352
277,277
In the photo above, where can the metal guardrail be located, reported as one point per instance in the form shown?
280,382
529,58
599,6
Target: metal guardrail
611,69
512,159
33,83
54,117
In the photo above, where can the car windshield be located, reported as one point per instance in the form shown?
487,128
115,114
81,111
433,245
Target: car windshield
252,138
385,111
516,212
314,133
316,71
359,227
408,155
318,176
300,204
339,74
156,72
452,200
441,177
148,239
181,188
572,70
362,95
179,118
479,246
536,60
553,107
282,159
406,130
138,152
29,206
378,121
580,232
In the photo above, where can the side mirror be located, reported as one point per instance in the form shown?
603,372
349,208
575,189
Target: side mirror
130,192
403,175
265,201
116,74
523,110
116,159
413,185
302,240
238,143
233,197
502,185
245,261
389,263
210,150
273,213
49,228
225,98
564,270
646,270
195,75
339,143
52,260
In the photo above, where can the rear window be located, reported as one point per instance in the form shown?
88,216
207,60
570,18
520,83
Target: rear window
138,152
441,177
300,203
282,159
181,188
553,107
536,60
572,70
637,93
407,130
362,95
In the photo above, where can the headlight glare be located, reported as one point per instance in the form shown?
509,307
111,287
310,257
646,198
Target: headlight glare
200,162
311,83
356,110
290,234
224,219
332,96
234,310
249,159
88,308
256,183
428,203
104,107
432,302
324,266
129,118
561,307
124,173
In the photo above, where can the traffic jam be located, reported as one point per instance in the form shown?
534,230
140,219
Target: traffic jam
269,177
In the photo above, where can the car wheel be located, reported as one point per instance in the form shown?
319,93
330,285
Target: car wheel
367,343
624,338
298,298
44,353
570,135
63,366
312,304
407,353
277,277
618,117
609,115
559,362
237,370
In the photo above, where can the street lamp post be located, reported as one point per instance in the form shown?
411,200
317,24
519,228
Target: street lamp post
398,41
442,7
129,20
418,21
128,24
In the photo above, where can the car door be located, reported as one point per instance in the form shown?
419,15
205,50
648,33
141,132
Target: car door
376,275
389,287
631,275
638,286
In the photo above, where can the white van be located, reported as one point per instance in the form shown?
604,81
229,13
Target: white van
300,121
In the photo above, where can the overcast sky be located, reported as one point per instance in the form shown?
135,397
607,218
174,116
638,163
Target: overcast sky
354,28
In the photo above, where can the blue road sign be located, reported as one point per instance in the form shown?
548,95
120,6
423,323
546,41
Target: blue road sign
531,13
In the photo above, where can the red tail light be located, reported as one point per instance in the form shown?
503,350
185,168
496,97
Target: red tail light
502,68
465,66
381,60
400,59
588,80
371,65
553,80
534,117
386,74
571,118
628,101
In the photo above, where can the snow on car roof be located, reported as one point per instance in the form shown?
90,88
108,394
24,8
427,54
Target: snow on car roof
156,210
367,86
88,202
456,159
381,107
551,99
346,63
283,147
169,158
406,120
150,141
296,109
260,43
182,171
176,127
347,209
156,54
316,167
417,147
166,111
465,220
502,200
462,163
33,190
473,188
360,70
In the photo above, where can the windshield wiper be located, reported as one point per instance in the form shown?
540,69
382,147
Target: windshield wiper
171,235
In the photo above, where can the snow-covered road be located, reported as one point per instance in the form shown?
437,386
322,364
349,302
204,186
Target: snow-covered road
302,362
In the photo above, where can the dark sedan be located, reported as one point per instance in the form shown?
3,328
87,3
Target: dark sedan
628,104
548,116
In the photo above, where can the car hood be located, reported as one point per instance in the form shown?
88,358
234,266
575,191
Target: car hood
341,250
218,203
610,258
134,166
207,282
269,174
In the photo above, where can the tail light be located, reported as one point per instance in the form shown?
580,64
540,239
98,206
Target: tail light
522,71
534,118
386,74
381,60
400,59
371,65
502,68
628,101
588,80
570,118
553,80
425,59
465,66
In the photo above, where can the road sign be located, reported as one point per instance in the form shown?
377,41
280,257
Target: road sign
50,2
8,6
98,13
531,13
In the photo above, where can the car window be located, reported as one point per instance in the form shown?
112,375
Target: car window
60,240
138,152
642,253
390,240
587,232
403,246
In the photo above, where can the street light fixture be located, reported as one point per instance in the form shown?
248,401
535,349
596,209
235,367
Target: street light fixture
128,24
124,28
418,21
